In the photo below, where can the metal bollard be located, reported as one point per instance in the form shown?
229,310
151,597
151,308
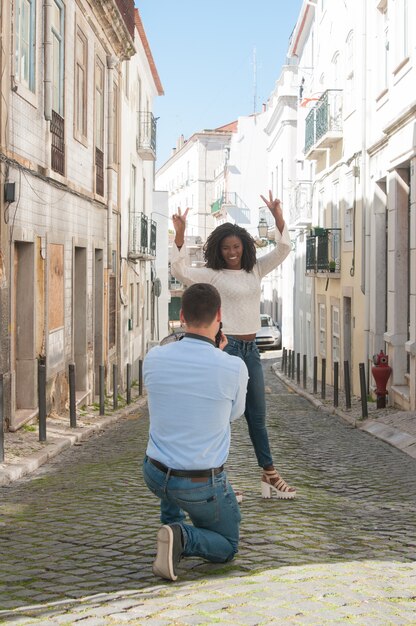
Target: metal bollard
42,398
140,377
323,379
293,365
1,421
128,383
101,388
72,398
283,359
315,374
298,368
336,377
115,387
363,389
305,365
347,384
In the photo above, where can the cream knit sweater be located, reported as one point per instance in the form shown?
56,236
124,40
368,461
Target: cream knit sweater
239,290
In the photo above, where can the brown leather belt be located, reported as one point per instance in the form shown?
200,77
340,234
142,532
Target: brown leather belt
202,473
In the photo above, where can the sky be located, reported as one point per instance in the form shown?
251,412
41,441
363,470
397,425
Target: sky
216,59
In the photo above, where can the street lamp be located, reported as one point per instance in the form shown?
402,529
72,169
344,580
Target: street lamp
263,228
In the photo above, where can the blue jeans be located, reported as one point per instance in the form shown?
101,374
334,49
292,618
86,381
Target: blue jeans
255,411
211,506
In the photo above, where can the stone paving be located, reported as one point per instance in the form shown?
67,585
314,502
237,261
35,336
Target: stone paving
77,537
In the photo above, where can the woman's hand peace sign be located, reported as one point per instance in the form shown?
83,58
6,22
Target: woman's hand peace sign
275,208
179,224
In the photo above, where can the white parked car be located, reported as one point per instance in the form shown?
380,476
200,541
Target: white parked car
268,337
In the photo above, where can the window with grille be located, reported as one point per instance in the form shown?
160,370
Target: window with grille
99,127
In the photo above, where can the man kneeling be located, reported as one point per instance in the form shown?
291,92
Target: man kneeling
194,391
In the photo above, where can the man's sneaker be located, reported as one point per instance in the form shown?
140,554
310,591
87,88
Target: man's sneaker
169,551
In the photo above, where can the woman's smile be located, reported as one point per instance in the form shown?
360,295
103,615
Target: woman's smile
232,252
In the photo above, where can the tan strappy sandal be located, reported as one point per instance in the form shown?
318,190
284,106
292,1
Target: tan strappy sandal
273,484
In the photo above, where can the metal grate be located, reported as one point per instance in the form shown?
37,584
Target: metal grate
99,172
58,143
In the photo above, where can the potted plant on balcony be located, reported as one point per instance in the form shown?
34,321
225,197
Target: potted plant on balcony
317,231
332,266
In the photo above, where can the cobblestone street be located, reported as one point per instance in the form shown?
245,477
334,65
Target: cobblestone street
77,538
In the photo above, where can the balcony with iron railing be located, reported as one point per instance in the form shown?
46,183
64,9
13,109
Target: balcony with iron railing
323,252
232,205
323,124
142,237
146,136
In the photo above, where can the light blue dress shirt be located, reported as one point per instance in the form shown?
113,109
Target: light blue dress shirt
194,391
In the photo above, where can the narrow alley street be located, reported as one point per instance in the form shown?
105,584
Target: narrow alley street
85,524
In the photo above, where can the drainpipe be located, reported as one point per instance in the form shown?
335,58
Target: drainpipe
111,63
366,217
47,52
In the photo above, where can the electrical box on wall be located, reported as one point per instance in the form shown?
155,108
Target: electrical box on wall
9,192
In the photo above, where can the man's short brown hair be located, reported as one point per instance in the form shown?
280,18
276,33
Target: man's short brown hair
200,304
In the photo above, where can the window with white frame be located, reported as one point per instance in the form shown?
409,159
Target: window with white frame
336,242
116,124
99,104
126,78
25,48
80,108
335,334
335,71
133,189
349,207
58,31
321,206
349,98
402,30
383,46
322,330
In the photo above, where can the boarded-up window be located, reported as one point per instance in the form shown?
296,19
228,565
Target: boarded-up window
56,286
112,312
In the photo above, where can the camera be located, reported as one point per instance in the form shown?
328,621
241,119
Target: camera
218,336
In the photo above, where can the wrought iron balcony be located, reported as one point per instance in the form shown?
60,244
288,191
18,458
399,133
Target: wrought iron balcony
146,135
230,203
323,252
142,237
323,124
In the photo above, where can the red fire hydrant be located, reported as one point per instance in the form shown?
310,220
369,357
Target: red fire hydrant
381,371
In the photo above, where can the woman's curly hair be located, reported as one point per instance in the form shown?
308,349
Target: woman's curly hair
212,248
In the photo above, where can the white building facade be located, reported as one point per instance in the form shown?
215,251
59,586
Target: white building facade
63,165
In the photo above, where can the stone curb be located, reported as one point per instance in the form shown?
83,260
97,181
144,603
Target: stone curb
393,436
63,439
